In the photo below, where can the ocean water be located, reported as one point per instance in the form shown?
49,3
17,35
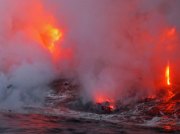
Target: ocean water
41,121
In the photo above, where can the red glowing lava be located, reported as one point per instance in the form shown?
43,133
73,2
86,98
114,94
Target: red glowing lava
167,75
41,27
107,103
45,30
50,36
168,41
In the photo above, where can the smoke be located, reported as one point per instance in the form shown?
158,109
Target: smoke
26,68
113,47
120,47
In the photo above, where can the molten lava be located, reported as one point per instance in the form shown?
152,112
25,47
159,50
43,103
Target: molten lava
106,103
169,90
167,75
169,43
50,36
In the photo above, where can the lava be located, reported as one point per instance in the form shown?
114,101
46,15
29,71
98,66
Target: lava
106,103
168,41
167,75
50,36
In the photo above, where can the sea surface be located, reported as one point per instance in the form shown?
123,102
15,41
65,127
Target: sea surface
67,122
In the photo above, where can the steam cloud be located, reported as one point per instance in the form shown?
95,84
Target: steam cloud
25,68
115,44
118,52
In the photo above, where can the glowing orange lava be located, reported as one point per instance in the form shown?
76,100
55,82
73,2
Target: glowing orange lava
41,26
167,75
169,90
50,36
102,99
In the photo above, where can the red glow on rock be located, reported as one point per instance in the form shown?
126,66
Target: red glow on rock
101,99
107,103
112,107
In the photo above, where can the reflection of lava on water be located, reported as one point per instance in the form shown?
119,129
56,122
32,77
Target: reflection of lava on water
158,112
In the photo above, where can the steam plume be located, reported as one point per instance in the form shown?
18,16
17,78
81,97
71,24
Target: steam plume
113,48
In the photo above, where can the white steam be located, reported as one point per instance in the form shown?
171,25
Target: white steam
25,68
116,44
111,41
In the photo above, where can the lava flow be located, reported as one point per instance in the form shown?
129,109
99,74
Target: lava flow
168,39
170,93
167,75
